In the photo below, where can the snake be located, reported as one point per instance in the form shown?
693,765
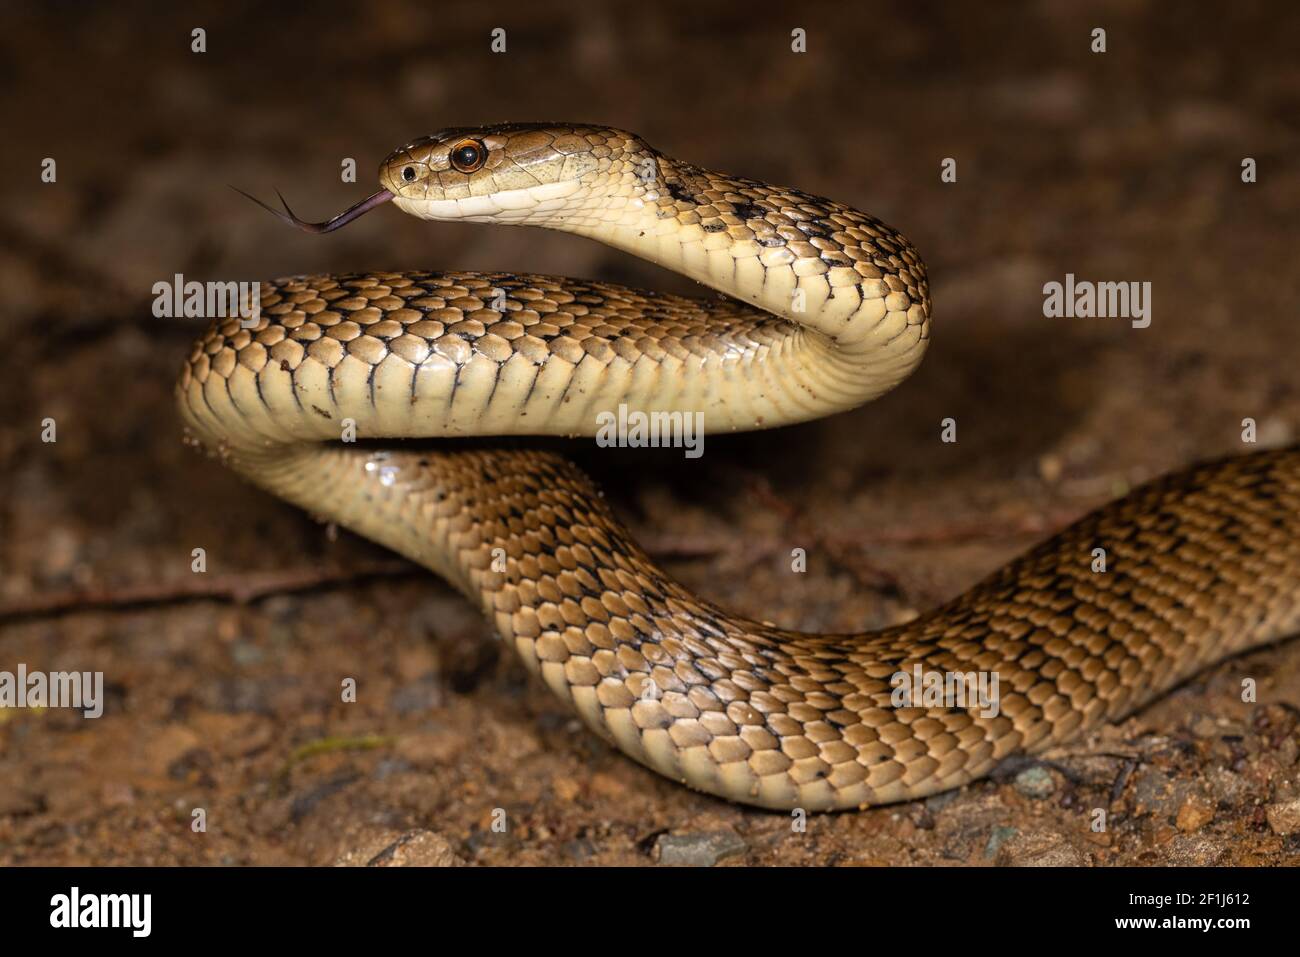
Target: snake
819,309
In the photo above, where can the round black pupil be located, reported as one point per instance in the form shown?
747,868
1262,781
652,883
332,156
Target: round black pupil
466,156
408,174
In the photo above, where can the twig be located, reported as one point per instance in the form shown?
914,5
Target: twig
242,589
706,545
1121,779
980,530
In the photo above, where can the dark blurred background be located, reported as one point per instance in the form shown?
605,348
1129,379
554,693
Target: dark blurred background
1122,166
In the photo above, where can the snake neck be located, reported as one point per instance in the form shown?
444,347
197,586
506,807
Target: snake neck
854,285
851,280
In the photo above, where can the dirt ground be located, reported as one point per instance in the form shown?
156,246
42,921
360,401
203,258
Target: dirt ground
1122,166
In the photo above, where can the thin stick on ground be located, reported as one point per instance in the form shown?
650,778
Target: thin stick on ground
241,588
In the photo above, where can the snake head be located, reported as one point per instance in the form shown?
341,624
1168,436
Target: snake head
533,173
539,174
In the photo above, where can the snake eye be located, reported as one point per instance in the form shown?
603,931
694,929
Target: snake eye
468,155
408,174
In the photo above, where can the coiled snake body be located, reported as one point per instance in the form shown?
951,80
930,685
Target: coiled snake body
829,308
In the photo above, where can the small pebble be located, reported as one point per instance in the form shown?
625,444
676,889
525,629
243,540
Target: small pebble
414,848
699,850
1205,727
1035,783
1284,818
999,837
579,849
1195,813
1154,792
1042,849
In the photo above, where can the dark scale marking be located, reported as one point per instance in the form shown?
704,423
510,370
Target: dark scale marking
415,382
203,391
293,389
496,381
231,397
537,374
257,381
679,192
455,384
572,379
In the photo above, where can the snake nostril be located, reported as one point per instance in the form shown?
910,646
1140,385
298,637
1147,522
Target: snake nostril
408,174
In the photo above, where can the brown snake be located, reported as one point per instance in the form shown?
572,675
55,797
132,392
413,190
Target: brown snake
828,308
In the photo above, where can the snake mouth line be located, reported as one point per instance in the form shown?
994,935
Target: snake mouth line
337,221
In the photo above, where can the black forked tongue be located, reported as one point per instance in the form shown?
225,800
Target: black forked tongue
336,222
